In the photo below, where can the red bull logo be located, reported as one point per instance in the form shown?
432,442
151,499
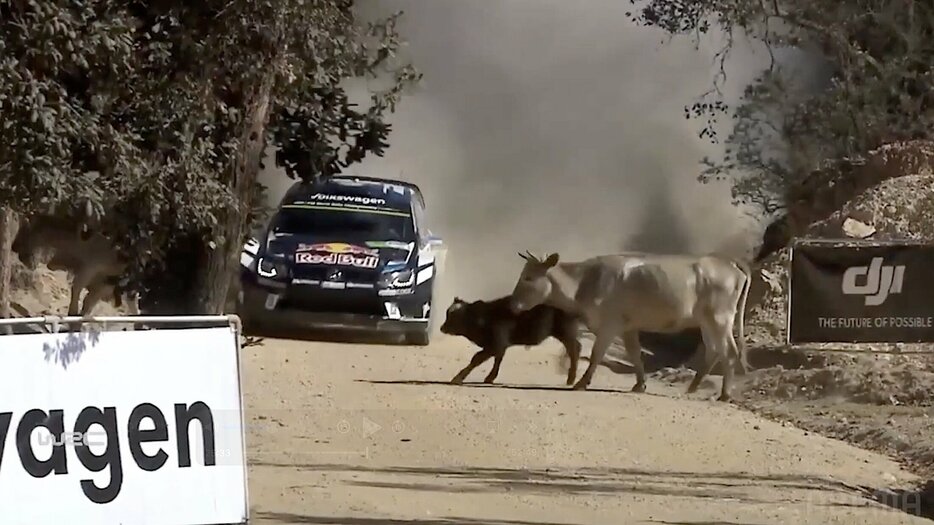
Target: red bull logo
337,259
337,248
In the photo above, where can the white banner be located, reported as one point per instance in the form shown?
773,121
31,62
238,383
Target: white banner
111,410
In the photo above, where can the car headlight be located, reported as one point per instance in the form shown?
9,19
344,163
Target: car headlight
400,279
270,269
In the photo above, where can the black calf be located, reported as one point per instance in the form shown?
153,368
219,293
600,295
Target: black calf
493,327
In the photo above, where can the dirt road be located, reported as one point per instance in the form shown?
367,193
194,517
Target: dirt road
359,435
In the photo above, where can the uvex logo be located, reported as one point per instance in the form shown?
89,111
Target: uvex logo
880,281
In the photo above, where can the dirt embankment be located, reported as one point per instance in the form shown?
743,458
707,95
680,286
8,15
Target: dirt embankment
880,401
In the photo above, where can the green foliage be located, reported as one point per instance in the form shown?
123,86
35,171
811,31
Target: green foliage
314,113
144,110
62,70
878,57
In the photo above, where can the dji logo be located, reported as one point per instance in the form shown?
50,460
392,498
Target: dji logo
880,281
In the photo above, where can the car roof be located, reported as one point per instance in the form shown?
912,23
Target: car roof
393,190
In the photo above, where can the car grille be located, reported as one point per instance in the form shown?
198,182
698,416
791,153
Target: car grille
314,299
321,273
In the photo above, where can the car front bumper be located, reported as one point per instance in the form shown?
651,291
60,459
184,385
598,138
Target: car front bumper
294,307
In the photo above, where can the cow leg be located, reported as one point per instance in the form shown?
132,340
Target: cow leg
79,282
478,359
569,337
96,292
730,355
634,351
601,342
497,360
132,302
740,354
718,349
711,355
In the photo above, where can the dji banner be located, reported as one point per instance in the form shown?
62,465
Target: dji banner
844,291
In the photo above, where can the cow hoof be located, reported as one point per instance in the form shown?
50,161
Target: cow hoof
579,386
724,398
638,387
489,380
457,381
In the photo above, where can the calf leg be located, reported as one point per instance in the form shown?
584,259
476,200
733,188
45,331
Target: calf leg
498,345
497,360
478,359
634,351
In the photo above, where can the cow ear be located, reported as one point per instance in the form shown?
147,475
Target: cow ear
551,260
524,257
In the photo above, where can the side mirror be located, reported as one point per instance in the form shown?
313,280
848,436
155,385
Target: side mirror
434,241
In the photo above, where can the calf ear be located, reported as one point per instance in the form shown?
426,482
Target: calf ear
551,260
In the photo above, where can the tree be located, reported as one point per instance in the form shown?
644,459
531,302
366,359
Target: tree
280,70
878,55
61,68
163,143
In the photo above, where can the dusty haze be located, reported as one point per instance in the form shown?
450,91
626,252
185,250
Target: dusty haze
553,126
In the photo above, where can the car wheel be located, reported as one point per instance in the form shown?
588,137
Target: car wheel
249,326
420,338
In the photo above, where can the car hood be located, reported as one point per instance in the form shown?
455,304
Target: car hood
302,250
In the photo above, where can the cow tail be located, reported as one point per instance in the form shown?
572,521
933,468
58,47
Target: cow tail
741,346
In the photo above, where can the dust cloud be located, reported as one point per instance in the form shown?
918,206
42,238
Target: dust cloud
554,126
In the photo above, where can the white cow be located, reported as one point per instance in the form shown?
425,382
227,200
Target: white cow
88,256
623,294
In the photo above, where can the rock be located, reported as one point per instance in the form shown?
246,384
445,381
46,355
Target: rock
857,229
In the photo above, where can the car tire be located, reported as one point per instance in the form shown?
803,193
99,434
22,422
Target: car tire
420,338
248,326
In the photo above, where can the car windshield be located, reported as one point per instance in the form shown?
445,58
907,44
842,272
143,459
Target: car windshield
342,223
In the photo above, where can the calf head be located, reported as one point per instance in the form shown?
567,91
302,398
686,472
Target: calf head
457,320
534,287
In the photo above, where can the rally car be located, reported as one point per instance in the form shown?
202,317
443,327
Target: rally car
345,252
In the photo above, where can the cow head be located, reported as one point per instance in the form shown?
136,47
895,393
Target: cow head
534,286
